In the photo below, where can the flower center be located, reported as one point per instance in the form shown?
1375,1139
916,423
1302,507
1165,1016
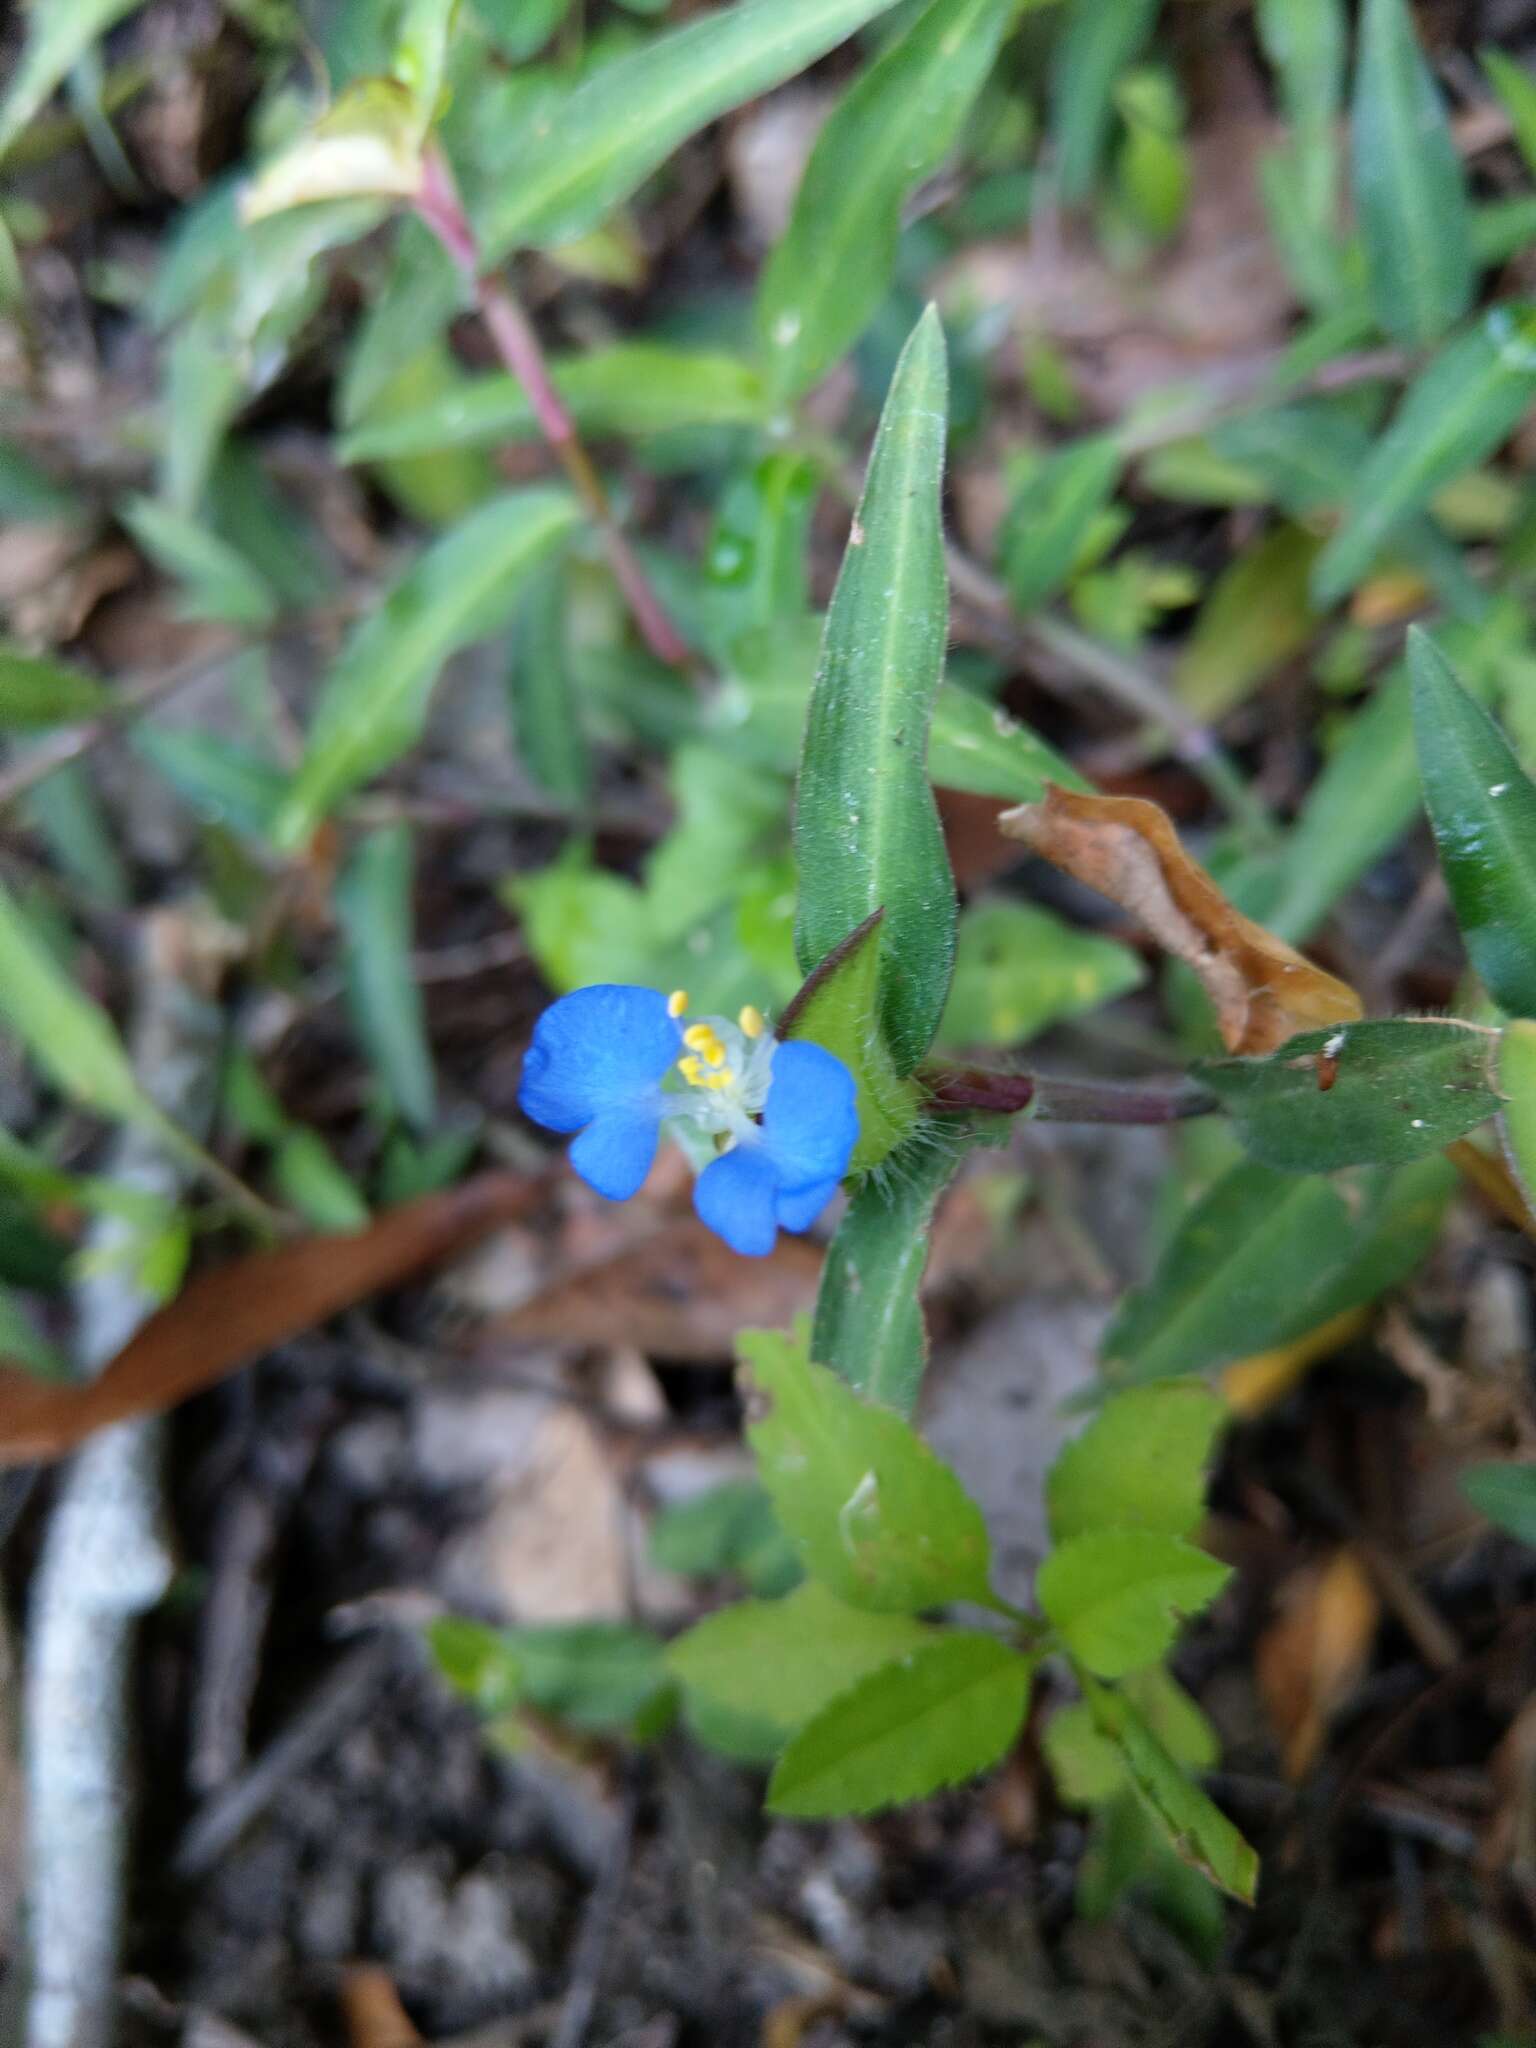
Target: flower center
725,1069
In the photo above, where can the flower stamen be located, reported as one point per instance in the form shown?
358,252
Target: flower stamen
677,1002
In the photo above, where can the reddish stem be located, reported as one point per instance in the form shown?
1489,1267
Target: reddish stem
439,206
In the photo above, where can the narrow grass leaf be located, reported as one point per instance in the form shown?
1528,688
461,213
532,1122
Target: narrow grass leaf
826,276
1096,44
37,692
373,904
1410,188
58,34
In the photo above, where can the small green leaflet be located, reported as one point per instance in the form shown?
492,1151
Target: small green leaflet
1506,1494
881,1521
869,1319
867,834
975,745
1403,1087
632,112
374,702
1482,806
728,1528
1472,397
1199,1831
1118,1595
1088,1766
828,273
1266,1256
941,1714
1410,189
373,905
784,1660
1052,514
592,1675
37,691
1140,1464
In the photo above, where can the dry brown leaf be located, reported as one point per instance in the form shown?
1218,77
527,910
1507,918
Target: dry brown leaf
1312,1656
230,1315
1126,848
680,1294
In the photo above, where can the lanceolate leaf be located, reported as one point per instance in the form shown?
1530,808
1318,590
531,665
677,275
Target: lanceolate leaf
837,1007
1266,1256
541,688
943,1713
829,272
869,1320
374,701
1468,401
633,112
59,32
1377,1093
37,691
975,745
873,1513
1051,516
1517,1085
867,833
1410,190
1483,808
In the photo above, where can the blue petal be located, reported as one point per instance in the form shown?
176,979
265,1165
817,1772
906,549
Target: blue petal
798,1211
604,1047
734,1195
810,1123
615,1151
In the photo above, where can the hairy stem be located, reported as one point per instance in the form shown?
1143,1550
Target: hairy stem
1058,1101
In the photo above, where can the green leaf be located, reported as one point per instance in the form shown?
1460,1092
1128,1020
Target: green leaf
869,1318
873,1513
373,905
476,1662
867,834
227,784
59,32
1265,1257
942,1714
1052,515
630,114
589,1674
546,717
1256,617
374,701
1517,1085
1305,42
37,691
418,297
1403,1087
70,1037
1096,44
729,1528
1517,89
1199,1831
632,388
1471,398
828,274
309,1179
1506,1494
1019,968
1118,1595
784,1660
1140,1464
1410,189
22,1344
975,745
217,582
837,1009
1482,806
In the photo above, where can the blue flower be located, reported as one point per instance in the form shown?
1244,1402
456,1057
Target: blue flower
775,1122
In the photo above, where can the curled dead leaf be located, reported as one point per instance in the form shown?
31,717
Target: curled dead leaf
1311,1657
230,1315
1263,990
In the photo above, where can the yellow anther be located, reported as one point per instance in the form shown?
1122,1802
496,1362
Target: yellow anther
677,1002
752,1021
702,1038
692,1070
722,1079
